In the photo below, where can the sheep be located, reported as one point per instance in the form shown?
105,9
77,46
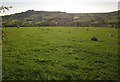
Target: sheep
94,39
18,26
110,34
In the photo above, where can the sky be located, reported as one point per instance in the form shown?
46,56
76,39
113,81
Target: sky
69,6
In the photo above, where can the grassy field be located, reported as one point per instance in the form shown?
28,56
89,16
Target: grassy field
0,55
60,53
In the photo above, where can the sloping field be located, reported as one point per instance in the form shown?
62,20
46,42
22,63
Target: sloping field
60,53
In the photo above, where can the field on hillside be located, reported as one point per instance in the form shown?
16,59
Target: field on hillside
60,53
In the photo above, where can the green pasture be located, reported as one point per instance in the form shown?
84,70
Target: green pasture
60,53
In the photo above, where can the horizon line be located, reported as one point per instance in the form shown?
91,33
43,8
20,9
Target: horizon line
59,11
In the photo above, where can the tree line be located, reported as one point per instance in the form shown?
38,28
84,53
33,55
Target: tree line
44,18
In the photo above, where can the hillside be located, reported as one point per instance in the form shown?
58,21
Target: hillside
45,18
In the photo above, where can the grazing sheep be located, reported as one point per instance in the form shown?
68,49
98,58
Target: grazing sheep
18,26
110,34
94,39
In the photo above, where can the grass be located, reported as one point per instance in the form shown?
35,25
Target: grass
0,55
60,53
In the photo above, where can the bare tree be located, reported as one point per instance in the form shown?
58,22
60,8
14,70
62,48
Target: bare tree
3,8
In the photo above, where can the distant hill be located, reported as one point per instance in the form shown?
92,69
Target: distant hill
46,18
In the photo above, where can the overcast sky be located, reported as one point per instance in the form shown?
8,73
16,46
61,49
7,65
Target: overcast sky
69,6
